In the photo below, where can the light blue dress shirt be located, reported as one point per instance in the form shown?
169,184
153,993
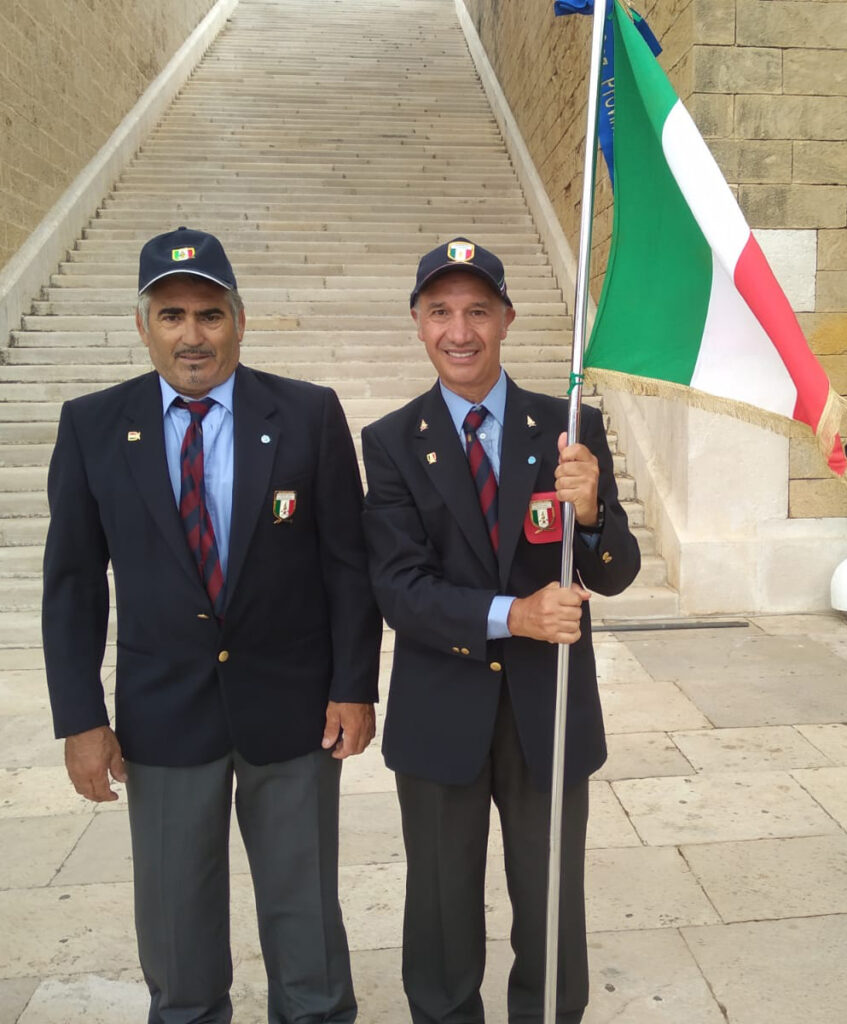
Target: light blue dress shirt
490,435
217,455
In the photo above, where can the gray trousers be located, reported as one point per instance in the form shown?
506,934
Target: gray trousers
288,816
445,830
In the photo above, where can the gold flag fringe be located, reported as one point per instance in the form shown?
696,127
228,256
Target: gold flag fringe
834,413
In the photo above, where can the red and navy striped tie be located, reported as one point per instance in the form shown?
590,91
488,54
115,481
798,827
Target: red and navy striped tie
196,520
482,472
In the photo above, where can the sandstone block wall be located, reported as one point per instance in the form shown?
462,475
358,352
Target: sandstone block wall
69,72
766,82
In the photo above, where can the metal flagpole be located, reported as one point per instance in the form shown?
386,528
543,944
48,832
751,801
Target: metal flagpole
575,394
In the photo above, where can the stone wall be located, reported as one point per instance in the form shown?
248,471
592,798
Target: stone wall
766,82
69,72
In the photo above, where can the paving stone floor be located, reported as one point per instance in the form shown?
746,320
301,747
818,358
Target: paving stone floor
717,863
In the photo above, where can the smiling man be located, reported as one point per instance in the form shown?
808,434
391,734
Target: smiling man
228,503
463,524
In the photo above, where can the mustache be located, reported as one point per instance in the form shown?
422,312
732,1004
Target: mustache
191,351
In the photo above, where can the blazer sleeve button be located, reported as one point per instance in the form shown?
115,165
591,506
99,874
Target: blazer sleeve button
495,666
223,656
465,650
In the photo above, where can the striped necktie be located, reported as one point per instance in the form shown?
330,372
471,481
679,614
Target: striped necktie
482,472
196,520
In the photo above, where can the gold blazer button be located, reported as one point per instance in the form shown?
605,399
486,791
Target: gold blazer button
223,656
495,666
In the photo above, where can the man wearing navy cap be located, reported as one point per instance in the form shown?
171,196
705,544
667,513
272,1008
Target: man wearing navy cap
463,524
228,504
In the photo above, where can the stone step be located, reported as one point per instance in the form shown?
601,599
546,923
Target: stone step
398,323
15,504
23,532
24,363
317,250
637,602
23,478
325,217
307,283
21,595
385,301
21,562
270,265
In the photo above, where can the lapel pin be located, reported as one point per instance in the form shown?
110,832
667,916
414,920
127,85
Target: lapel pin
431,458
265,439
133,435
530,422
423,425
283,506
531,460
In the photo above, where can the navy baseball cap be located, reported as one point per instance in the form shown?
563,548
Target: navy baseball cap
184,251
460,254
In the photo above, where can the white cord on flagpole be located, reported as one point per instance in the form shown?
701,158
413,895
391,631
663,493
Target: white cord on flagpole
575,395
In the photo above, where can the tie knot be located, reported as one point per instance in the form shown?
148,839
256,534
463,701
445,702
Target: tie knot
475,418
197,409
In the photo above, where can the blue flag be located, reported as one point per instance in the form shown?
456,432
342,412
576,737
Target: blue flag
606,118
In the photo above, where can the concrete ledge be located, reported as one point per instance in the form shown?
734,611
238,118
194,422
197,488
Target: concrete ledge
558,248
30,268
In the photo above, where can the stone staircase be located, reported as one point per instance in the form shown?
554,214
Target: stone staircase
328,146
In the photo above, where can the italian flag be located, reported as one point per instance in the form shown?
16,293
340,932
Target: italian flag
689,300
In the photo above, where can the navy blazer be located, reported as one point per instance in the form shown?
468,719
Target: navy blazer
300,625
434,574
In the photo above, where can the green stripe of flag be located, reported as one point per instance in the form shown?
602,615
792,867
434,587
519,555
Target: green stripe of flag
658,280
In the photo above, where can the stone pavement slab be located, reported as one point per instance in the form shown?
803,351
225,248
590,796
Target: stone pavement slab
27,740
829,787
762,749
642,888
62,930
15,993
649,706
32,792
829,739
739,677
647,977
23,691
34,849
721,808
88,997
776,972
642,755
773,878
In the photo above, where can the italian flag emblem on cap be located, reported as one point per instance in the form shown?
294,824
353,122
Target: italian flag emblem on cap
178,255
460,252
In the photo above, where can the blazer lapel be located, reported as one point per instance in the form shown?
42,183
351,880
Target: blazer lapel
520,461
256,436
439,449
149,467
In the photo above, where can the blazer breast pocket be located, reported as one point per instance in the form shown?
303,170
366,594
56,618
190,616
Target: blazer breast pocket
543,520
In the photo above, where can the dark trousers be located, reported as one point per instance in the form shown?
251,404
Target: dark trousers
445,830
288,816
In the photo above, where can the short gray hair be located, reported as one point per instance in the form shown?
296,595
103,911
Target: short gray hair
236,305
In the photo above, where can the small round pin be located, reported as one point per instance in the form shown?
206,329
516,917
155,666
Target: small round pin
531,460
265,439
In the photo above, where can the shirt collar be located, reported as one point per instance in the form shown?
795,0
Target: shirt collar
222,394
494,402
